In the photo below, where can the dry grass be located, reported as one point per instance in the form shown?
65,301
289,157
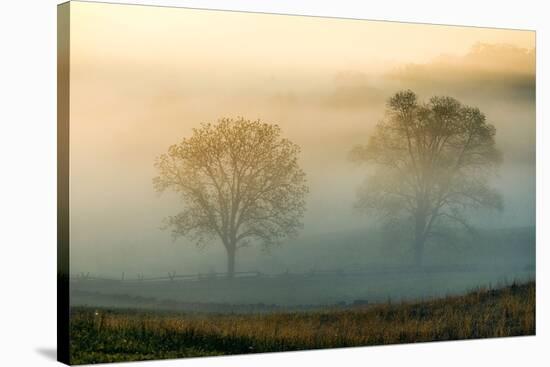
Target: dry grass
105,336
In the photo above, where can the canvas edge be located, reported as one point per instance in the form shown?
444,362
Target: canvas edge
63,114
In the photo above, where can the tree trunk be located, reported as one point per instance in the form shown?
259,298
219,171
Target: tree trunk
231,261
418,251
419,238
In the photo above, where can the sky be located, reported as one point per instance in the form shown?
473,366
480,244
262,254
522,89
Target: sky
142,77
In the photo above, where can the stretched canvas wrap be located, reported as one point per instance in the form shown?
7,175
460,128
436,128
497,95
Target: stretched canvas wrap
233,182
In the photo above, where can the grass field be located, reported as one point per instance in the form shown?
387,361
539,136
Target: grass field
104,335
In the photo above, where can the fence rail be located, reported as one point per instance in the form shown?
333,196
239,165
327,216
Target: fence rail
173,276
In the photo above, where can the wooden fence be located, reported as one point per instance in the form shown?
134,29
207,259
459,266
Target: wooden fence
174,276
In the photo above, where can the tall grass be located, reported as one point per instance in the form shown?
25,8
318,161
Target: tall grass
106,336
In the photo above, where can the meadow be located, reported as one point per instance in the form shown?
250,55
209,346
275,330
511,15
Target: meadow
328,269
109,335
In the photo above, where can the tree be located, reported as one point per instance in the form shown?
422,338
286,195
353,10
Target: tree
240,182
430,165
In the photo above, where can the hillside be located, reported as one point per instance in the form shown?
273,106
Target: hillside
103,335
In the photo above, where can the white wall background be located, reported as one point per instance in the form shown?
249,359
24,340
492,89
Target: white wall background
28,183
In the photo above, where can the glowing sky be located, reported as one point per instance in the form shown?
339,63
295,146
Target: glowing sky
142,77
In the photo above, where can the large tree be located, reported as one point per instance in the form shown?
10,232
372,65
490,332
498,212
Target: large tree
239,181
429,165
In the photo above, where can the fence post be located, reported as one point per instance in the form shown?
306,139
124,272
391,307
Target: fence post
172,275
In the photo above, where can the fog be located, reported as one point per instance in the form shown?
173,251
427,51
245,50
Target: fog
126,112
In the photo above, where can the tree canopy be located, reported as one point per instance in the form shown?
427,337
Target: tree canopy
430,163
239,180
